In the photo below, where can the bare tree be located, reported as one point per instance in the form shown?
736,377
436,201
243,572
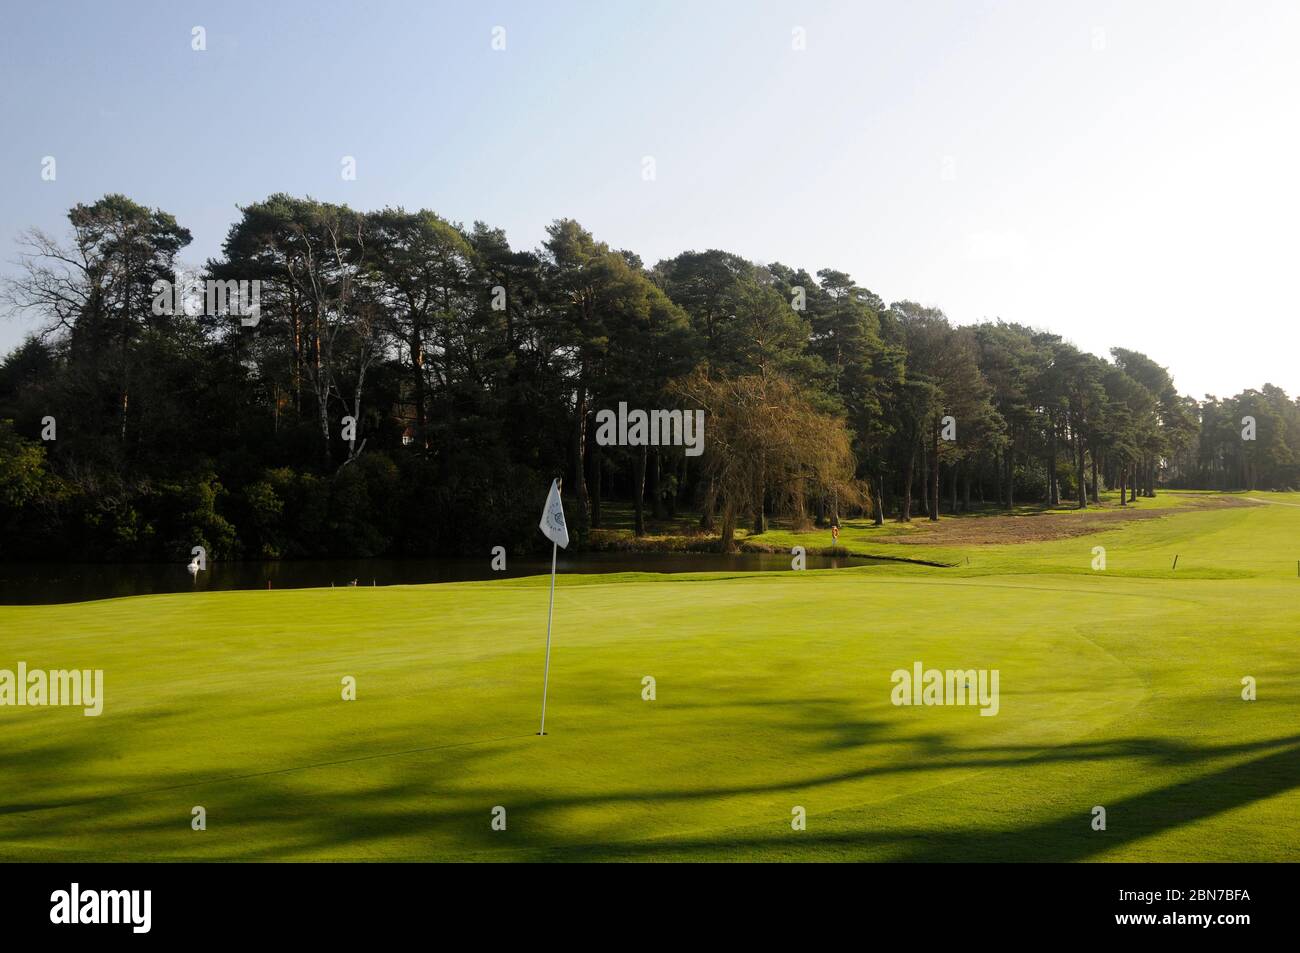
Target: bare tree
762,438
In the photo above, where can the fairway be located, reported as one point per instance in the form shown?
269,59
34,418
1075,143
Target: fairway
1119,688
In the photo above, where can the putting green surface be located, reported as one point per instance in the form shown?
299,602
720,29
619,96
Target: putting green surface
1118,688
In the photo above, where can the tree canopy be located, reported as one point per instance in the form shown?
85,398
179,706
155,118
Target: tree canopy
411,384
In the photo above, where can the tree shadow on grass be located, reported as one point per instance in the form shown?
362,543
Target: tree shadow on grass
1068,838
433,803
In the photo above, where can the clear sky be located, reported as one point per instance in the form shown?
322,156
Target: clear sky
1120,173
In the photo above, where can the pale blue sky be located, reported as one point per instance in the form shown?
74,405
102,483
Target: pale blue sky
1121,173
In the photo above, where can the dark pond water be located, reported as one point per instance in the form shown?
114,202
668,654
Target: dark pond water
35,583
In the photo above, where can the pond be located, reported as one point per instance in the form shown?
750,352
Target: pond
38,583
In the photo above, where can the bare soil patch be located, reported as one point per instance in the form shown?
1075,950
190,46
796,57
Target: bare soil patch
1048,525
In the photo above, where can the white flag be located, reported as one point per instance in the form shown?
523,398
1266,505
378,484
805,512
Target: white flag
552,524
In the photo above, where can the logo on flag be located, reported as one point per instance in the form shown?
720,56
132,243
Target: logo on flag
552,525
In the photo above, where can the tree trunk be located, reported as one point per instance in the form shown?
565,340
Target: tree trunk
1096,487
905,510
934,479
672,496
417,367
656,494
1053,483
638,491
728,541
925,478
323,406
1011,479
578,454
710,504
880,501
597,479
1079,471
295,331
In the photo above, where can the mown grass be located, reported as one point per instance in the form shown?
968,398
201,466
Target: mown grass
1119,689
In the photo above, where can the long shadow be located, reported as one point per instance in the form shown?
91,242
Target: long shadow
1071,838
1068,838
437,805
21,808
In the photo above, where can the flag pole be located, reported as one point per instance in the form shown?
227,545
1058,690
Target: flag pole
550,611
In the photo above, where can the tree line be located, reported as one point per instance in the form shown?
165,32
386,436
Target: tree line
409,385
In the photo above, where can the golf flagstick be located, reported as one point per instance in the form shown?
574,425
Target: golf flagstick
550,613
556,530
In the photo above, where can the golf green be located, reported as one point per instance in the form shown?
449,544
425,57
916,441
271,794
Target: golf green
1119,688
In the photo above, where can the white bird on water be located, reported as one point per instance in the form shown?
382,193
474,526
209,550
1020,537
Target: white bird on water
193,568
